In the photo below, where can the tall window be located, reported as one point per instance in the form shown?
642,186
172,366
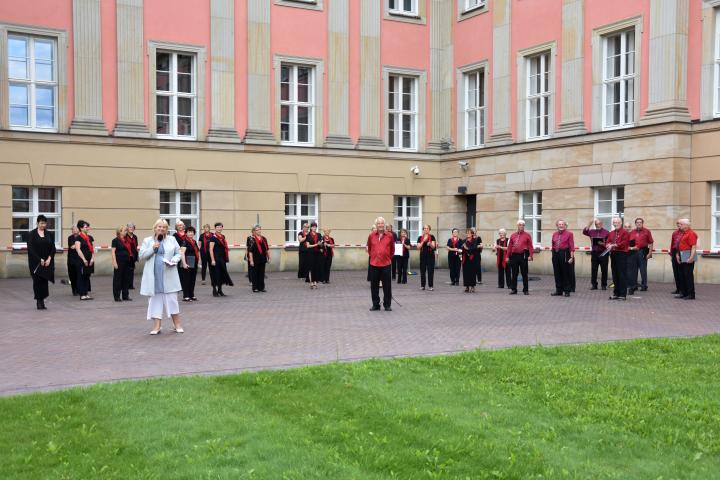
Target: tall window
178,204
531,212
715,207
538,96
32,76
299,208
408,215
402,112
716,109
403,7
619,79
175,95
27,204
474,109
609,203
297,104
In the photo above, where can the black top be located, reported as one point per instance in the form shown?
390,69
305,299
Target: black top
122,254
259,252
72,254
136,252
40,248
190,257
309,241
219,249
301,245
84,248
450,245
426,249
470,249
204,244
406,250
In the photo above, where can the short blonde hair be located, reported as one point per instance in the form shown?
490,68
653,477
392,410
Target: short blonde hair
120,229
160,221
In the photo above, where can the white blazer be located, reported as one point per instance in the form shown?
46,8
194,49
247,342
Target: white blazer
171,281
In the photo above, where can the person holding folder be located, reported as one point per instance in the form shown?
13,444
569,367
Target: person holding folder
380,249
73,260
191,258
41,260
563,256
219,258
454,248
686,258
86,259
427,245
402,256
618,246
329,252
122,253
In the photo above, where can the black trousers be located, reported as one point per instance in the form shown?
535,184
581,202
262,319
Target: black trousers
596,261
454,263
219,275
258,276
188,276
393,265
132,275
402,268
72,276
518,263
122,277
40,287
618,262
469,269
687,278
562,271
676,271
378,274
205,260
83,283
327,265
427,267
251,274
478,268
504,276
316,260
303,264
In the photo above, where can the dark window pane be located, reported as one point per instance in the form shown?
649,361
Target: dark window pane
184,64
184,106
162,61
303,93
162,81
163,105
303,75
20,193
303,115
285,74
163,124
21,206
184,83
184,125
302,133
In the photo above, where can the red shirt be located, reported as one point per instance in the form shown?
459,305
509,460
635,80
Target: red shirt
688,240
380,249
563,240
621,239
642,237
675,240
519,242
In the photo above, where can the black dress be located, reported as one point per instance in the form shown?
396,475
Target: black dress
303,263
329,253
188,276
40,248
219,274
469,262
478,259
315,256
136,254
84,271
122,275
427,261
454,261
401,261
72,261
259,250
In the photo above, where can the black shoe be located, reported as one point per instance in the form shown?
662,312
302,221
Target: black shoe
388,309
127,299
631,291
556,294
526,292
567,294
501,286
118,300
594,287
643,289
215,292
604,287
41,305
681,296
374,308
513,292
254,290
220,292
231,284
676,292
467,289
614,297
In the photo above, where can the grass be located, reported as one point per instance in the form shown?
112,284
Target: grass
645,409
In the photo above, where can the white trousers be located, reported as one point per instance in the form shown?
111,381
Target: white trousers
162,301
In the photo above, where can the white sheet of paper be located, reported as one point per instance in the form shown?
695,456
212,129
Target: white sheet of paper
399,249
169,262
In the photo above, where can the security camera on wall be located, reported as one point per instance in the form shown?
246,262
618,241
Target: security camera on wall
415,170
464,164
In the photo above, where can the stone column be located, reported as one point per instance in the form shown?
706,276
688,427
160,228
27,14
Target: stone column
130,70
370,76
222,71
571,96
501,133
707,71
667,86
442,16
87,69
338,75
259,129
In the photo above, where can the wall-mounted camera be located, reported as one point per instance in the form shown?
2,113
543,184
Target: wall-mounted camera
415,170
464,164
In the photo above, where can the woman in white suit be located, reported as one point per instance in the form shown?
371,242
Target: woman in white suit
160,280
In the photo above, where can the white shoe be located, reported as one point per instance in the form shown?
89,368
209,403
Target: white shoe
156,332
178,330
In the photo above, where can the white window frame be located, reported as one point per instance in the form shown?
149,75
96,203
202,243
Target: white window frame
479,110
715,212
545,92
470,5
622,78
399,113
613,206
396,7
35,211
401,221
293,104
171,218
716,66
298,219
173,94
533,221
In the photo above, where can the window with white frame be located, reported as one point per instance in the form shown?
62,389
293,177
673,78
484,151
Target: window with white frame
537,109
175,204
472,4
619,79
297,104
402,112
33,83
408,215
716,108
609,203
531,212
300,208
27,204
474,109
175,95
403,7
715,208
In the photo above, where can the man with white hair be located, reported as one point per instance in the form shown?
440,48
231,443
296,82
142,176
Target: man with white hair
563,255
520,251
380,248
618,242
686,257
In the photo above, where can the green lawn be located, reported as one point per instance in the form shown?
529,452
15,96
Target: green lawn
633,410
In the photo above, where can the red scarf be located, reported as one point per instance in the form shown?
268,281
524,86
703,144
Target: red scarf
181,235
194,247
468,255
454,242
85,237
314,240
206,240
260,242
504,253
127,241
221,240
133,242
329,251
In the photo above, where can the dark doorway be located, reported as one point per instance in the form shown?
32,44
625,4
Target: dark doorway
470,209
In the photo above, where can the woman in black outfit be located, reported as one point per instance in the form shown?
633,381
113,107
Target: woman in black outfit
134,241
41,260
314,246
303,263
123,260
204,244
329,249
219,257
189,265
72,260
501,259
469,263
86,259
478,257
258,258
454,256
402,260
427,245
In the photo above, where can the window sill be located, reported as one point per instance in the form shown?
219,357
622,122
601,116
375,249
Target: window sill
618,127
474,147
30,129
308,5
406,150
404,17
472,12
295,144
537,139
170,137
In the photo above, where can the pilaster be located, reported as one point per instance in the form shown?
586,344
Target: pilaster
572,121
222,72
501,133
259,73
441,75
370,74
338,75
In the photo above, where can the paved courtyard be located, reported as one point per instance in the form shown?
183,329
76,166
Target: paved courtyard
79,343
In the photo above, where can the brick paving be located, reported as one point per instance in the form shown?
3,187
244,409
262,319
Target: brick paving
79,343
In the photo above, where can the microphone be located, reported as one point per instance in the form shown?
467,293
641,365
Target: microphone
160,238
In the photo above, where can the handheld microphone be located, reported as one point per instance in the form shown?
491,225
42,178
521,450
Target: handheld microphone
160,237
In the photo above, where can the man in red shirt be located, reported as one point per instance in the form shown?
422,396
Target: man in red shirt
380,248
563,256
641,247
618,243
686,256
520,251
674,245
